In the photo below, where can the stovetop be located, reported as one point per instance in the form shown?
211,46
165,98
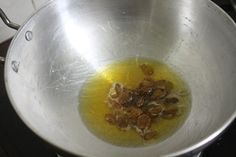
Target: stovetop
16,140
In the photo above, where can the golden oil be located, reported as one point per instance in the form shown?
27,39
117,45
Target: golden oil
93,107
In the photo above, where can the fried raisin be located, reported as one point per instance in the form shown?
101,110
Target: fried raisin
143,121
110,118
122,121
149,135
155,110
164,84
172,100
146,69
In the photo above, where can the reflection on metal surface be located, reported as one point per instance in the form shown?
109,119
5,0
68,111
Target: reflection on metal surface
81,38
15,66
28,35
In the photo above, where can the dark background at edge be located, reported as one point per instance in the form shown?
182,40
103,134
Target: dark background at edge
16,140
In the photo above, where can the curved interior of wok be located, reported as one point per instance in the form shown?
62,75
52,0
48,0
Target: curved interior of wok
72,39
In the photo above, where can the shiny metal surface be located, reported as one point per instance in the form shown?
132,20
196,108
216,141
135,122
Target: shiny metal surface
72,39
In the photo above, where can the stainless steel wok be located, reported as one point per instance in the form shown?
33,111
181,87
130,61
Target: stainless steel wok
66,41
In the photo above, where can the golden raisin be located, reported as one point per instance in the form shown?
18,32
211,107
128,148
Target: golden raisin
146,69
110,118
133,112
170,110
155,110
122,121
137,108
172,100
149,135
132,121
164,84
143,121
125,97
159,94
140,102
113,104
118,88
